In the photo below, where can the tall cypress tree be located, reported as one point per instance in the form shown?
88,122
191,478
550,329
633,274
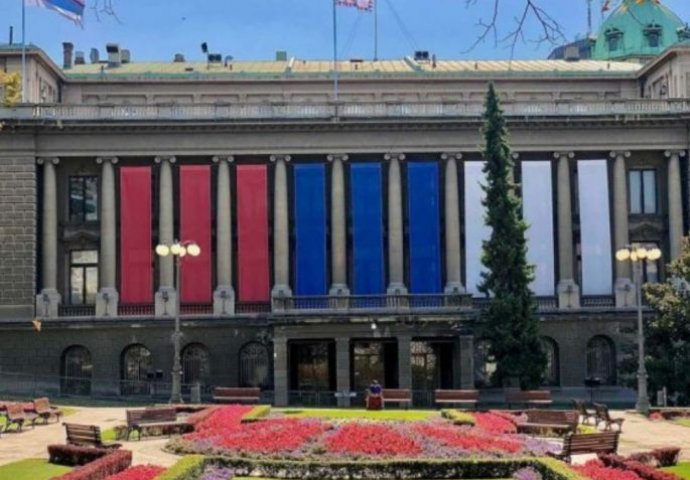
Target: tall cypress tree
509,320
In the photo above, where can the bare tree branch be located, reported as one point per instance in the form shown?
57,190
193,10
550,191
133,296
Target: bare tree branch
105,7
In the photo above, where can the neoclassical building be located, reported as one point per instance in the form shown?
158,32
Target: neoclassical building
340,237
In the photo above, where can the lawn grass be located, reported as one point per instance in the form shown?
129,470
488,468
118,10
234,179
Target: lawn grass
359,414
682,470
683,422
32,469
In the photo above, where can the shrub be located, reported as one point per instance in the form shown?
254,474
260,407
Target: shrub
458,417
666,456
597,470
72,455
108,465
140,472
527,474
645,472
257,413
188,468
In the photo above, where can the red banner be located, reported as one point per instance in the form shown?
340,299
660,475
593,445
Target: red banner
252,233
136,250
195,226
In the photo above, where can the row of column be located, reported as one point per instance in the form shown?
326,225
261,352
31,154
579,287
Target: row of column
568,290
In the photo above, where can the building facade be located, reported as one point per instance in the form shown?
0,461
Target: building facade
340,238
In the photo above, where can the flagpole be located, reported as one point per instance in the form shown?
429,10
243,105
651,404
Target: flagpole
23,51
376,30
335,52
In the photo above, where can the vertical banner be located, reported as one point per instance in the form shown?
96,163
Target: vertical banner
136,249
310,230
537,210
595,227
366,197
424,227
252,233
195,225
476,231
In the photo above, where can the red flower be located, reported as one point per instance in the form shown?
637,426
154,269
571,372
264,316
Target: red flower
494,422
466,439
371,439
140,472
596,470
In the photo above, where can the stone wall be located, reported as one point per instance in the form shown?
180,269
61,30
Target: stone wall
17,237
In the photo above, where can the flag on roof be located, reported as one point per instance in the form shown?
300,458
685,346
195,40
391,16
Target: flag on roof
364,5
71,9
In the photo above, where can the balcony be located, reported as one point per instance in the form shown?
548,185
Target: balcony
342,111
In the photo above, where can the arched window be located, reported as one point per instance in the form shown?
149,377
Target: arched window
601,360
255,366
552,373
196,366
135,368
484,364
76,369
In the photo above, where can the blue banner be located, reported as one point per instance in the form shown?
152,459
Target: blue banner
424,227
310,230
367,229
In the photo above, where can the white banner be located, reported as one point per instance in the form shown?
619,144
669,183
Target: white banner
476,230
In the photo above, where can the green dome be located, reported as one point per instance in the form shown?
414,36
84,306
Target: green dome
638,29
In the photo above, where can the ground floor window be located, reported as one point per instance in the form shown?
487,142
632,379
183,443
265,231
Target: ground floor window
312,366
601,360
83,277
255,366
374,361
196,365
76,369
135,369
432,365
552,373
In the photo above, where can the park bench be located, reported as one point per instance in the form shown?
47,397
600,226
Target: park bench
586,443
584,412
164,418
560,422
15,414
603,415
402,396
44,410
86,436
236,394
468,398
531,398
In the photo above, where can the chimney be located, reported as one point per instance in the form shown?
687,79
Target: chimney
179,58
94,56
572,53
67,51
79,58
281,56
126,56
114,59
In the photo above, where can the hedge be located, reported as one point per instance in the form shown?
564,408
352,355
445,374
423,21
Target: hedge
102,468
458,417
72,455
256,413
188,468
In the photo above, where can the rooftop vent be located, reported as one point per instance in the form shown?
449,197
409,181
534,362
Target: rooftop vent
79,58
572,53
179,58
215,58
421,56
67,51
228,60
114,59
94,56
281,56
126,56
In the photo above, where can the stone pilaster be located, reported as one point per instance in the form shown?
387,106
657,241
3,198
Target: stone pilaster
396,280
48,300
165,296
568,290
107,298
452,228
466,344
338,227
404,362
675,203
624,287
342,367
281,236
224,294
280,371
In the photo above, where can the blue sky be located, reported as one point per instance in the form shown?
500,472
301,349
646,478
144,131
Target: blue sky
255,29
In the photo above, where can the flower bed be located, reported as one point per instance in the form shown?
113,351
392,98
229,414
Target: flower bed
140,472
371,439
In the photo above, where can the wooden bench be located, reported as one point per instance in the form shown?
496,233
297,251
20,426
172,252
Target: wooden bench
15,414
580,444
560,422
44,410
86,436
603,415
402,396
468,398
584,413
236,394
530,398
152,418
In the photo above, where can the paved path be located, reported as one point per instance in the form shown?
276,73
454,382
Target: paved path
640,434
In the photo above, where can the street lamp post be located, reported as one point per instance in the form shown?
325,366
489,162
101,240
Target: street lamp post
637,255
178,250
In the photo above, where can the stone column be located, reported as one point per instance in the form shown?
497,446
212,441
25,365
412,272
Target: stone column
675,203
466,345
452,230
396,281
281,234
107,299
624,287
48,300
338,228
342,367
568,290
224,294
165,296
280,371
404,362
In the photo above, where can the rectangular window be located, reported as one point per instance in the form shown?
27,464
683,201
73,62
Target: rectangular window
83,199
642,191
83,277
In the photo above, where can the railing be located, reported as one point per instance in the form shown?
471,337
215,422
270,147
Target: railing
358,303
135,310
76,310
196,309
253,307
598,301
354,110
312,398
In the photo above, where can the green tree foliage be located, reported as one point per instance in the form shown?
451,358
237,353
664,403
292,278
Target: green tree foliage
668,333
509,320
